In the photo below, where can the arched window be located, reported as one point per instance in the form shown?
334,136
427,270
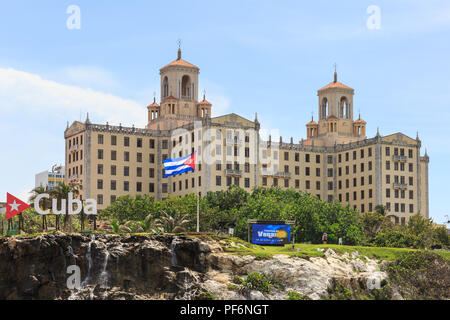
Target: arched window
165,87
186,87
343,108
324,108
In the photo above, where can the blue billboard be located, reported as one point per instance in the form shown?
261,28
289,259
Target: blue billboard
271,234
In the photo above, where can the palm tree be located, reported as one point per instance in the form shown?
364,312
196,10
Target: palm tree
61,192
44,204
175,223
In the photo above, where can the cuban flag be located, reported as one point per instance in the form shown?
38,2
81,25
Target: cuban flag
172,167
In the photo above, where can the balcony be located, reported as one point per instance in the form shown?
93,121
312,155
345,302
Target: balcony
231,142
277,174
73,148
400,158
233,172
73,177
400,185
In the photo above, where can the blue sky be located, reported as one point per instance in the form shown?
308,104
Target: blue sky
268,57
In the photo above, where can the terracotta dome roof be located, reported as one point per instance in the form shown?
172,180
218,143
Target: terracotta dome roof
312,123
154,104
332,117
336,84
360,121
205,102
180,63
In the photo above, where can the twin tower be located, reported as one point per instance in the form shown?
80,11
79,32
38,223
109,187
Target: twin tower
180,105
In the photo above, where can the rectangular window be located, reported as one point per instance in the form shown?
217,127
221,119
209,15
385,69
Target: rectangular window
113,140
330,173
307,157
151,158
139,157
99,169
113,170
113,184
138,186
126,186
126,171
218,180
152,144
100,154
318,158
247,183
126,141
100,139
113,155
151,172
139,171
151,187
126,156
99,184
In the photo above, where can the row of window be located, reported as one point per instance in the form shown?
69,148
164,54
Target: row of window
396,152
75,141
78,170
126,142
400,180
400,207
399,166
400,194
126,185
73,157
232,180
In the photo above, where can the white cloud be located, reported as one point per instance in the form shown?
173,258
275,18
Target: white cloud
31,93
89,77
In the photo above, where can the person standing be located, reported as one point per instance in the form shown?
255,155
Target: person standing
324,238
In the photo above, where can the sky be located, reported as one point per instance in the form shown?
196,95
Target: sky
268,57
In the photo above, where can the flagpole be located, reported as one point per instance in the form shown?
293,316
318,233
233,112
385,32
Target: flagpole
198,205
198,212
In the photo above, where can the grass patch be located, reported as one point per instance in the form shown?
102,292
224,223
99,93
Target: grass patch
306,251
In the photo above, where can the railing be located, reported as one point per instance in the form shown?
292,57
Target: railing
233,141
276,174
73,148
233,172
399,158
400,185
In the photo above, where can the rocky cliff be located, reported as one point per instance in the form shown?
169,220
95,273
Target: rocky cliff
168,267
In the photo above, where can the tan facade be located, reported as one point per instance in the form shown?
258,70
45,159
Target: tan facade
336,162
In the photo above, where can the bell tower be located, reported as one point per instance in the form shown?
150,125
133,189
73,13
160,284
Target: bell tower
179,96
336,123
336,99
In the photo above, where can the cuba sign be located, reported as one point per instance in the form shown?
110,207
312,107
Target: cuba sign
70,206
